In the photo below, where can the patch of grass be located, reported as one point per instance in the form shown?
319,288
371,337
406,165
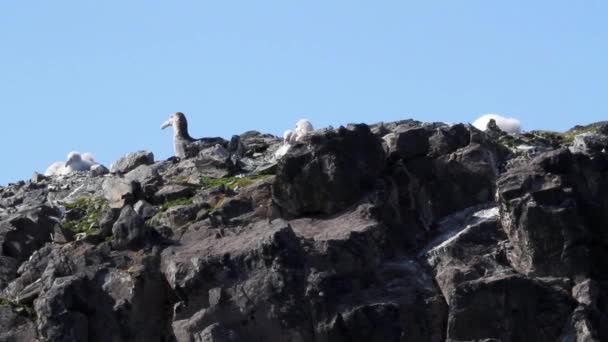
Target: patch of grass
27,310
93,208
181,179
232,182
153,221
591,128
174,203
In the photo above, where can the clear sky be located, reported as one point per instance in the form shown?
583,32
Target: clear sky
101,76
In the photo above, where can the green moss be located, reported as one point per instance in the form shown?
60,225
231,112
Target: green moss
174,203
232,182
93,207
27,310
181,179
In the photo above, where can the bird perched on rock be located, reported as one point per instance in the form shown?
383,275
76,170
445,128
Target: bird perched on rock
78,162
75,162
288,137
303,127
181,137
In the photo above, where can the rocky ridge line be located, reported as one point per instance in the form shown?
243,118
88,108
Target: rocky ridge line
403,231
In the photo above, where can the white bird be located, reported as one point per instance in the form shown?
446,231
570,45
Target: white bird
508,125
75,162
288,137
78,162
55,169
303,127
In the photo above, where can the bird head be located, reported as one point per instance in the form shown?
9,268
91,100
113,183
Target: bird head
73,157
174,120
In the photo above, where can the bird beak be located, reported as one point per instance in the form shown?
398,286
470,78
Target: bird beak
166,124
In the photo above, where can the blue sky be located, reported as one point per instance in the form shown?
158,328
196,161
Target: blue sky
101,76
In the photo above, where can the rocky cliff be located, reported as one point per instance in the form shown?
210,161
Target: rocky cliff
403,231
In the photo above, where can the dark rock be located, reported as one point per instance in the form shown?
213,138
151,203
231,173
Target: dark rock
216,333
446,140
436,233
8,270
552,216
144,209
329,171
16,326
408,143
130,230
468,247
62,312
590,143
38,178
23,234
172,192
177,216
131,161
98,170
214,162
148,178
490,307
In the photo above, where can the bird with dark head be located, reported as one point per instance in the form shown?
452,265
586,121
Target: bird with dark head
181,137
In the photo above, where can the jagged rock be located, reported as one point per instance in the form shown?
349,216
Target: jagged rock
144,209
99,170
590,143
172,192
214,162
119,192
16,326
62,311
437,232
24,233
553,208
38,178
407,143
329,171
148,179
177,216
130,230
470,246
446,140
131,161
489,308
217,333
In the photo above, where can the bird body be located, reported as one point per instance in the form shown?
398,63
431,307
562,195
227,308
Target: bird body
290,137
75,162
303,127
181,137
55,169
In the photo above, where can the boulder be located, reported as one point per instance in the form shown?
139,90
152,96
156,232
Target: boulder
553,208
407,143
130,230
119,192
489,308
328,171
172,192
131,161
26,232
590,143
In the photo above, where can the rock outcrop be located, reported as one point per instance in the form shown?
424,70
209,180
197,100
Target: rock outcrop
402,231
